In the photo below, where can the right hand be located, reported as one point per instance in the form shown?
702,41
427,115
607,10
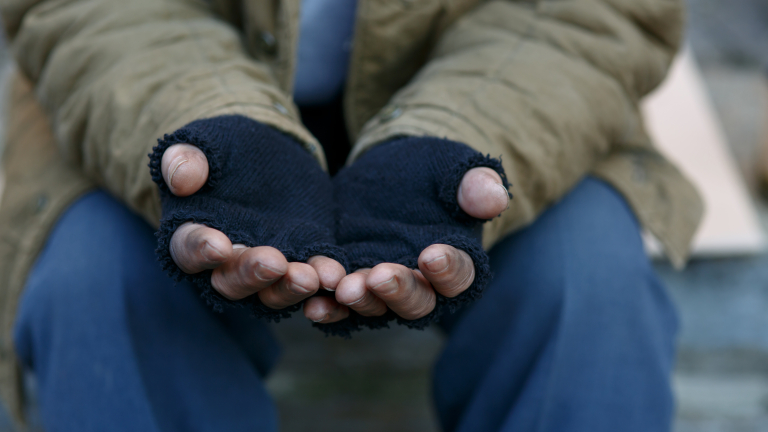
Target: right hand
240,271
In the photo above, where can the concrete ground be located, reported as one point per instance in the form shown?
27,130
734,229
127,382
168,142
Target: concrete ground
379,381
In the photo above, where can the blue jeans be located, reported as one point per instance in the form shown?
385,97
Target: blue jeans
574,334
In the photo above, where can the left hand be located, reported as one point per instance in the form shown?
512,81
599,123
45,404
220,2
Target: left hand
411,293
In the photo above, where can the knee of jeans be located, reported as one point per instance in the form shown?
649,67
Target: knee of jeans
95,249
584,256
607,258
591,274
523,282
60,294
70,285
625,290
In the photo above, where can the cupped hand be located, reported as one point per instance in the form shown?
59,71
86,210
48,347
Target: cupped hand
411,293
238,271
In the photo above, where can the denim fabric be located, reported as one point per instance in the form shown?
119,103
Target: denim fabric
115,345
575,333
325,44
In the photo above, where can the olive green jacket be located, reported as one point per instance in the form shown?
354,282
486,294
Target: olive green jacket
551,86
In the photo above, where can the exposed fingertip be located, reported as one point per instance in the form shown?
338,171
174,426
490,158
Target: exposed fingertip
266,273
219,283
482,194
351,289
188,177
382,273
387,287
270,259
300,290
215,246
329,271
315,310
303,278
324,310
437,265
502,202
212,253
184,168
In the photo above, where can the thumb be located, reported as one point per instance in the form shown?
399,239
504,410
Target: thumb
482,194
184,168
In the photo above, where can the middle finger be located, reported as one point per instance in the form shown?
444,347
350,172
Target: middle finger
352,292
299,282
405,291
249,271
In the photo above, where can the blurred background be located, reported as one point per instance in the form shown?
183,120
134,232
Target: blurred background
379,381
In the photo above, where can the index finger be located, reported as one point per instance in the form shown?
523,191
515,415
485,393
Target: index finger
449,270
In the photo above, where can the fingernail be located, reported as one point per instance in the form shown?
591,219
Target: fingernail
438,264
173,170
297,289
328,289
211,253
354,302
503,190
460,193
261,268
325,317
387,287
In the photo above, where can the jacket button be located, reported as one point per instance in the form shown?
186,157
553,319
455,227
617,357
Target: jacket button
278,106
639,175
268,43
390,113
42,203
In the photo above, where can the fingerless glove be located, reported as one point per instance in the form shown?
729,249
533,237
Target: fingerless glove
399,198
263,189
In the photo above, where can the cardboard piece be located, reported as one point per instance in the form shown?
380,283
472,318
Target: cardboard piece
684,125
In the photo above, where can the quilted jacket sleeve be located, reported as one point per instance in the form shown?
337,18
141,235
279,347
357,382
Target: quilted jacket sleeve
114,75
551,86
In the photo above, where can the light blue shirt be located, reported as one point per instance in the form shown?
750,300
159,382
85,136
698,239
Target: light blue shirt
325,43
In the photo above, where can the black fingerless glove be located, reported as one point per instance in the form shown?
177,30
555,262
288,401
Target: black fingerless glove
399,198
263,189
